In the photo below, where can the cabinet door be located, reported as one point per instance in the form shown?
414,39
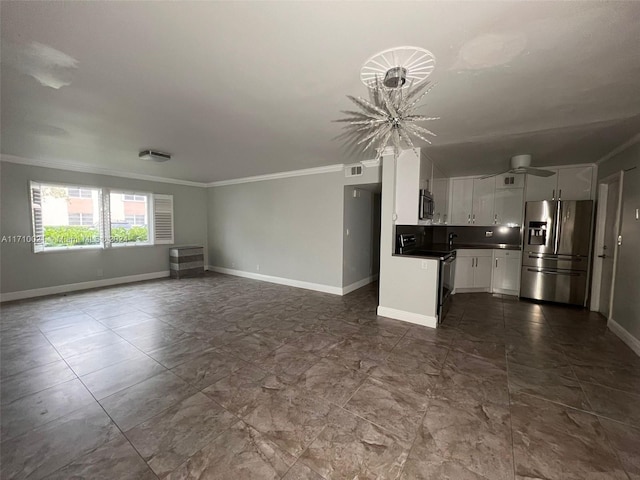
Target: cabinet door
574,183
440,199
461,201
407,188
483,271
511,279
541,188
465,267
509,206
483,196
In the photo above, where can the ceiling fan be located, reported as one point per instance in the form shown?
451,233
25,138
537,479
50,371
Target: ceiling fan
522,164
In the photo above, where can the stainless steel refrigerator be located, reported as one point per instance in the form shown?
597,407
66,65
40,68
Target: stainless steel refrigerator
555,254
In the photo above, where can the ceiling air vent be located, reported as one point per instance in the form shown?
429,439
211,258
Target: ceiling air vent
353,170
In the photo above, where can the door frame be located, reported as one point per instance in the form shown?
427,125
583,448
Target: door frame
601,218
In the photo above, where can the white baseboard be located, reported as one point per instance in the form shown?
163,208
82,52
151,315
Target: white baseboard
319,287
72,287
418,319
471,290
359,284
624,335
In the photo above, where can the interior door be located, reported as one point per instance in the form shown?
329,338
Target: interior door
626,301
606,253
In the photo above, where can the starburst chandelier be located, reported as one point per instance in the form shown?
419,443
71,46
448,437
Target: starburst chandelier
388,117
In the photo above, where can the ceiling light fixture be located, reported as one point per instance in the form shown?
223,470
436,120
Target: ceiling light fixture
154,155
396,82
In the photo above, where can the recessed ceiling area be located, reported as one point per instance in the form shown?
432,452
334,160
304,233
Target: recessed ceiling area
237,89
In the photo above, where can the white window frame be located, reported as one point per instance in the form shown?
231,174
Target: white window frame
159,207
82,219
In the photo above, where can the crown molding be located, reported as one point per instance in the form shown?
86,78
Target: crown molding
371,163
74,167
275,176
620,148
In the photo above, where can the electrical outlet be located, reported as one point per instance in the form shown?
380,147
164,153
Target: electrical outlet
424,264
488,234
347,232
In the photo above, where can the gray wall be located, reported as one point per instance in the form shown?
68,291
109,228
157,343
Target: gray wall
362,244
626,302
290,227
24,270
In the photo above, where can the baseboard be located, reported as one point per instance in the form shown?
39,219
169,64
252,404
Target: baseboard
417,318
72,287
624,335
470,290
318,287
513,293
359,284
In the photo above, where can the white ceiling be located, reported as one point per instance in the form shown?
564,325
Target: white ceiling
236,89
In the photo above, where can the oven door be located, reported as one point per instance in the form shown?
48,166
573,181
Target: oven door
447,279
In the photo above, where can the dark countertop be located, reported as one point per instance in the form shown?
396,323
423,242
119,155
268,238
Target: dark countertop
438,250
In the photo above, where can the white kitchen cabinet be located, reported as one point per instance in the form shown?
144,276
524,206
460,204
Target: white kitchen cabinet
407,188
440,200
472,201
506,272
569,183
574,183
461,201
508,207
473,271
483,199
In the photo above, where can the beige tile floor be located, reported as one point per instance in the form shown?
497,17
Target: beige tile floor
228,378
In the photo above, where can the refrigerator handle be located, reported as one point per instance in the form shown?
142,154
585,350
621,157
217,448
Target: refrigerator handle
557,229
560,194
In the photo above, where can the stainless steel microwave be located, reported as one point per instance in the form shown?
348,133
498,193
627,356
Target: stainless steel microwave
427,205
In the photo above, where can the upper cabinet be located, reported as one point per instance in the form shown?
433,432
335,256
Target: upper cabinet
408,181
509,200
440,200
472,201
568,183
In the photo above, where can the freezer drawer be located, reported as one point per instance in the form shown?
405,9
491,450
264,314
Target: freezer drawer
554,262
554,285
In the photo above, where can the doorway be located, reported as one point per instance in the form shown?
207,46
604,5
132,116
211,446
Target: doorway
606,244
361,235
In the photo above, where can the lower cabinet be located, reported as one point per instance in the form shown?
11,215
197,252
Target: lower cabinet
473,271
485,270
506,272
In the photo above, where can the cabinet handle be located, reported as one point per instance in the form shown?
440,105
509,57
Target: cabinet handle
553,195
560,194
495,219
496,263
469,219
474,218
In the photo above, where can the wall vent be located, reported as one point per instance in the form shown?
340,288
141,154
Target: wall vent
353,170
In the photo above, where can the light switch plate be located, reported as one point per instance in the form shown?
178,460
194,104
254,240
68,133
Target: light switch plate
424,264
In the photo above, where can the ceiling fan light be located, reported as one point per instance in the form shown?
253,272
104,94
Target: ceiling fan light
519,161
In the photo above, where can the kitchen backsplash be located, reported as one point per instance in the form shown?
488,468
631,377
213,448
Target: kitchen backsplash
431,234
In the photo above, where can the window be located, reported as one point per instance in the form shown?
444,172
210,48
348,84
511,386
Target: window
129,218
79,192
134,198
82,219
71,217
136,219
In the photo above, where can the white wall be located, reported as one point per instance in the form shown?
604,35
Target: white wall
626,301
23,270
408,286
361,235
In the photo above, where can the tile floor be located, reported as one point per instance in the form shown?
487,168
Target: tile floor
228,378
